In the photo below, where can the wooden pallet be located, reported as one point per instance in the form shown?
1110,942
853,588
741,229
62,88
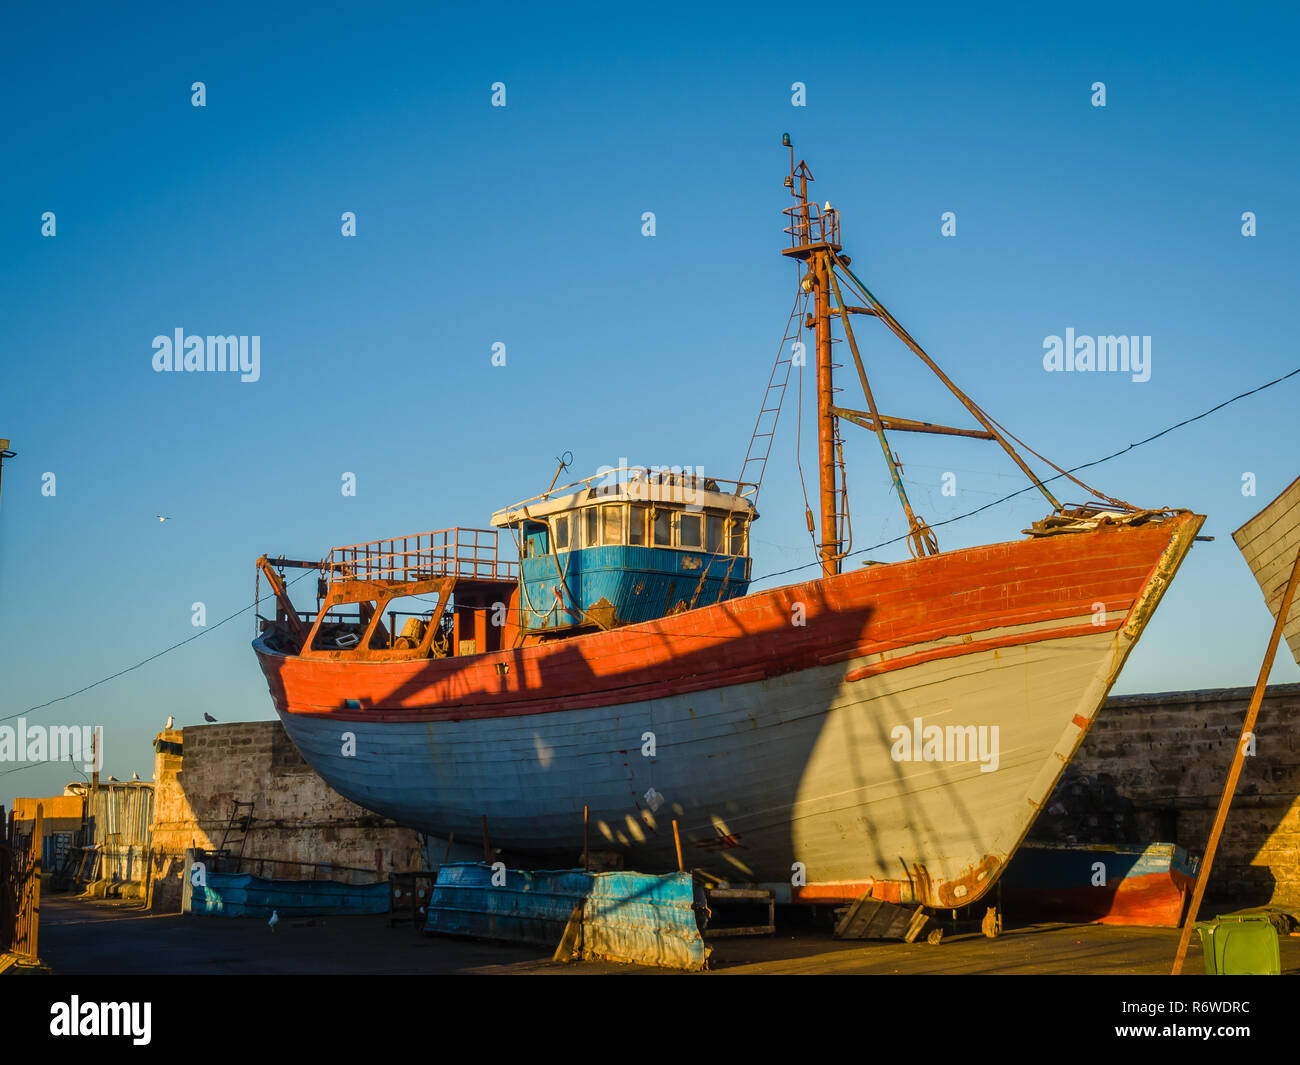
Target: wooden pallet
870,918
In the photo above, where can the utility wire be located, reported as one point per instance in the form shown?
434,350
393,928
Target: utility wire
146,661
1055,477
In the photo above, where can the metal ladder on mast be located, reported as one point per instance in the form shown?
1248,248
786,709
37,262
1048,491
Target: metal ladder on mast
773,396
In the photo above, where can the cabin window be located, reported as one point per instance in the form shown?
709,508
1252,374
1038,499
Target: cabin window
591,534
737,536
689,527
562,532
612,525
714,527
663,528
636,525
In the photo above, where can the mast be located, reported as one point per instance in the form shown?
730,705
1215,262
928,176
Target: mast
814,240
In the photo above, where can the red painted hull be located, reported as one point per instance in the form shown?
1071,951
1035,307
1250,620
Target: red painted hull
1153,900
1040,588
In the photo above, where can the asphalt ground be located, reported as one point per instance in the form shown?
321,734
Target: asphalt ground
104,936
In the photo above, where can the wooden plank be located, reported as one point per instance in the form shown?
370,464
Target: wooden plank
871,918
740,930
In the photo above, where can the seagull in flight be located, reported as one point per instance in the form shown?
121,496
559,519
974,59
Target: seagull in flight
162,518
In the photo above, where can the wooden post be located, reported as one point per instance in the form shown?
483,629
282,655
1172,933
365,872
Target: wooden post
1238,759
677,839
187,883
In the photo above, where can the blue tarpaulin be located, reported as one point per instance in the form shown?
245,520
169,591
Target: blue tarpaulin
522,907
645,920
241,895
637,918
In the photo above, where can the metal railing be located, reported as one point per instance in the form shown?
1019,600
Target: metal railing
470,553
809,224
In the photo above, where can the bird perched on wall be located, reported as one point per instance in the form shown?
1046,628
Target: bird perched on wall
208,717
135,775
275,919
112,780
170,719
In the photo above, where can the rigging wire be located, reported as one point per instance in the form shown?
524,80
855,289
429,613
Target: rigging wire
146,661
1063,473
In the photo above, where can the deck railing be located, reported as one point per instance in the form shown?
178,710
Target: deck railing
811,224
688,484
467,553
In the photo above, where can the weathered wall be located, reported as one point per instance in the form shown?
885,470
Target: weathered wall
1153,768
297,817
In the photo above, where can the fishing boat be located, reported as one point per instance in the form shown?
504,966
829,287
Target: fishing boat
593,672
1270,544
1127,884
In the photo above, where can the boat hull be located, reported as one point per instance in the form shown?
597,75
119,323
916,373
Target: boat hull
894,729
1270,542
1125,885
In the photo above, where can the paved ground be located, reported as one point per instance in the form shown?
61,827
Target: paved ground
108,936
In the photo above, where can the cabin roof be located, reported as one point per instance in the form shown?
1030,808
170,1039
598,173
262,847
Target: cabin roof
681,491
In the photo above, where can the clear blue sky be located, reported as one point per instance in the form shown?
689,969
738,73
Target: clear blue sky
523,225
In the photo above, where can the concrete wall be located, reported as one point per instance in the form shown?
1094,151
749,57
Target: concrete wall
296,815
1153,767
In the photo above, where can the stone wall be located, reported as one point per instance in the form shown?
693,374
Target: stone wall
201,770
1152,769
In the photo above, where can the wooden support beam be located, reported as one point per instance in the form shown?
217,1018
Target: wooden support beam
1238,759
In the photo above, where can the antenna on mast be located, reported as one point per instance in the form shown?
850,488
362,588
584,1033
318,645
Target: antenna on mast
5,453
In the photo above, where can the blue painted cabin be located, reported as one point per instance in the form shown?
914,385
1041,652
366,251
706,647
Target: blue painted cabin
629,549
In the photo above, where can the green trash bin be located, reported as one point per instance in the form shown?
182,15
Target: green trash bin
1244,945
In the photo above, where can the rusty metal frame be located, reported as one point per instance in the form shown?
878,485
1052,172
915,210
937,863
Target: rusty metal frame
376,595
454,552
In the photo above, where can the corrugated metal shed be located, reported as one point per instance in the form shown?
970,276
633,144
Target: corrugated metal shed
120,817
